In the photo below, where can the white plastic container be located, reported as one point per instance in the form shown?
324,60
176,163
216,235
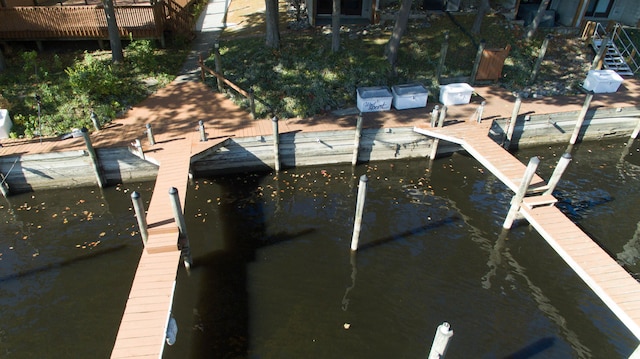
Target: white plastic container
5,123
455,94
602,81
374,99
409,96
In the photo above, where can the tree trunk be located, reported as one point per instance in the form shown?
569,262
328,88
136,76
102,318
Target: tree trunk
273,31
398,30
335,26
3,64
482,11
533,27
114,35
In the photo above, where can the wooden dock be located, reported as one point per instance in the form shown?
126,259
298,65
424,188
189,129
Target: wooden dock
608,280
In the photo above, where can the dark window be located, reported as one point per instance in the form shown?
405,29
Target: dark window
599,8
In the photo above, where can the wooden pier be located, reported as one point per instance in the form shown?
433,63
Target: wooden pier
608,280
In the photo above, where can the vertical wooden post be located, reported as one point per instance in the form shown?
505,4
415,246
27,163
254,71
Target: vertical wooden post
182,227
362,193
435,113
218,62
4,186
356,142
443,55
480,111
139,148
543,51
252,103
203,133
557,172
512,122
436,141
636,131
443,115
440,341
149,132
201,63
597,61
276,143
581,116
522,191
94,157
95,121
476,64
140,216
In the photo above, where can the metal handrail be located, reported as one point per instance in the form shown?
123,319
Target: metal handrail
627,48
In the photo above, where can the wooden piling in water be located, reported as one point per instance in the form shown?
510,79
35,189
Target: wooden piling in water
4,187
557,172
356,144
440,341
94,158
521,192
580,120
276,144
436,141
138,207
182,227
362,193
512,121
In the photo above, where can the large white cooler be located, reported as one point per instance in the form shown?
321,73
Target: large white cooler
409,96
602,81
455,94
373,99
5,123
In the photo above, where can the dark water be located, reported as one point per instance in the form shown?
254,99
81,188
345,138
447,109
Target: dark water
274,278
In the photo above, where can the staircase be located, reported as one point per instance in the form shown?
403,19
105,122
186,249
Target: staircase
613,58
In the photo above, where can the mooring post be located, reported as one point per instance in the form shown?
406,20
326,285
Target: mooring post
476,64
4,186
276,143
362,193
512,121
95,121
183,242
218,63
252,103
138,207
543,51
93,156
480,111
203,133
581,116
522,191
440,341
435,113
557,172
356,143
597,61
138,145
636,131
149,132
436,141
443,55
443,115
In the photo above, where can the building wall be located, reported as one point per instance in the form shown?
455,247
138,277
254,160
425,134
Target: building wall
626,12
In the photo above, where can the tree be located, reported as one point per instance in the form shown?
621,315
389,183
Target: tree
335,26
533,27
398,30
3,64
273,31
482,11
114,33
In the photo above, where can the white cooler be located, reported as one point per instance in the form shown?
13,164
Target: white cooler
602,81
374,99
455,94
5,123
409,96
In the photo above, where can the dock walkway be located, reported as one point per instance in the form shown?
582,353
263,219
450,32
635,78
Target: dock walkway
608,280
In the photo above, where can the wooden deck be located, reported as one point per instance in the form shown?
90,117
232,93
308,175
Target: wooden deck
608,280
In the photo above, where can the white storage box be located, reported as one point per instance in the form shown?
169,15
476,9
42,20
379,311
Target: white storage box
373,99
602,81
5,123
409,96
455,94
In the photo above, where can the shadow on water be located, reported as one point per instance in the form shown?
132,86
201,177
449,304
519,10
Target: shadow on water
408,233
532,349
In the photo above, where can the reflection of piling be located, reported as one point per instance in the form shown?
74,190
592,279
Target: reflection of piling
362,193
182,227
142,219
94,158
522,191
581,116
557,172
356,144
276,143
440,341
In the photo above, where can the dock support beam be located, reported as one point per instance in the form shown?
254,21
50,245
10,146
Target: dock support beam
140,216
362,193
440,341
276,144
356,144
436,141
522,191
581,116
183,241
557,172
94,157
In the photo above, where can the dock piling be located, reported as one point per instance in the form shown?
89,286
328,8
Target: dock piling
4,187
362,193
356,144
95,121
140,216
636,131
94,158
521,192
182,228
557,172
581,116
149,132
435,113
512,121
203,133
440,341
276,143
138,146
